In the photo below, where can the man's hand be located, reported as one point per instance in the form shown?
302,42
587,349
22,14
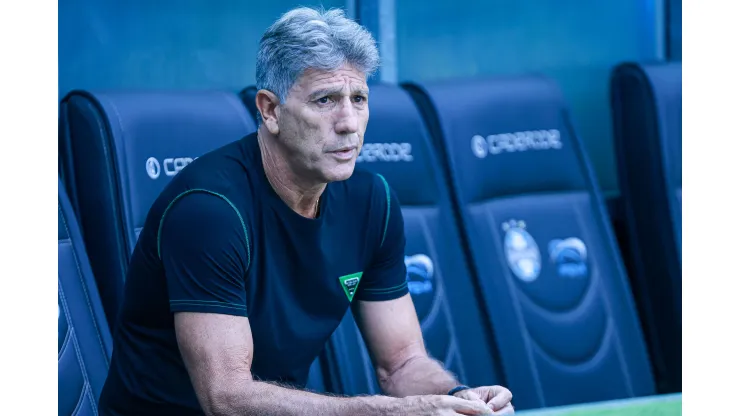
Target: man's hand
440,405
497,398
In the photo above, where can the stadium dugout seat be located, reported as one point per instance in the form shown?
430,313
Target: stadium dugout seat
119,150
543,251
454,327
646,107
84,346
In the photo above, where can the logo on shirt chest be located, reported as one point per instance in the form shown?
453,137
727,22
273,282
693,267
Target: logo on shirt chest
350,283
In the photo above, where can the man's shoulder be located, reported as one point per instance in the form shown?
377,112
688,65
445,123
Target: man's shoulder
366,197
223,164
222,170
224,173
366,185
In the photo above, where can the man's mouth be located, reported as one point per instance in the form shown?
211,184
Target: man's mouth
344,153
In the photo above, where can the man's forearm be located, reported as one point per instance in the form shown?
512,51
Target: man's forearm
418,376
260,398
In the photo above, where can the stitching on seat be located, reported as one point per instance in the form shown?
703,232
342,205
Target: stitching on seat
86,388
80,400
89,394
517,310
84,289
592,202
81,361
69,330
65,344
73,340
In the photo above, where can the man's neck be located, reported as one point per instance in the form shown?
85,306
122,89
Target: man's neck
301,197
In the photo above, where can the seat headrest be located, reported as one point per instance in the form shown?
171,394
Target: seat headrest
505,136
659,87
152,135
248,95
397,146
666,80
667,84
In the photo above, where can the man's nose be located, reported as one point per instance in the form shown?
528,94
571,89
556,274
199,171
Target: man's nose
347,118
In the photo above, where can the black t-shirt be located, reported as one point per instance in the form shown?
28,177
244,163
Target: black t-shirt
219,239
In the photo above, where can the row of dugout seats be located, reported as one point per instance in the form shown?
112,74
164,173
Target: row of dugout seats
511,259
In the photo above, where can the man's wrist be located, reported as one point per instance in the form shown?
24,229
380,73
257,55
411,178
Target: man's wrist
377,405
453,391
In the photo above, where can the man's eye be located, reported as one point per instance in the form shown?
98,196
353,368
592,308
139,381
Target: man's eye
323,100
359,98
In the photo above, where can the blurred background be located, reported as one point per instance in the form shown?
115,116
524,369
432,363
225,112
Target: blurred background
197,44
189,45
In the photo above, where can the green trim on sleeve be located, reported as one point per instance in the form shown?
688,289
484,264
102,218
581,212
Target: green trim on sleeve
396,288
188,192
388,207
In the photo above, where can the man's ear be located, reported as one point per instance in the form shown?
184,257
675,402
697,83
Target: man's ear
267,105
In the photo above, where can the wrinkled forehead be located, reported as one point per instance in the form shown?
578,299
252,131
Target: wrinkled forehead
345,80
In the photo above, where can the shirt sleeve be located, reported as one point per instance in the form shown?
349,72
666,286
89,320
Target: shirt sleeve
385,279
205,254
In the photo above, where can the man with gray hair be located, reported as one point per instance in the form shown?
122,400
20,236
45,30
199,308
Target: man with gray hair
252,255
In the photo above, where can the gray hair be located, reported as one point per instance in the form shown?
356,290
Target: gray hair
305,38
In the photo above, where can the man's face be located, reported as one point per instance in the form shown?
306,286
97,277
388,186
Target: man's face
322,123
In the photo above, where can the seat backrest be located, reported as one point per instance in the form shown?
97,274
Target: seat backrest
647,111
646,107
397,147
543,251
84,345
119,150
248,96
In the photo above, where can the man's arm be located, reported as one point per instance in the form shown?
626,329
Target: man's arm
386,315
394,339
387,319
217,350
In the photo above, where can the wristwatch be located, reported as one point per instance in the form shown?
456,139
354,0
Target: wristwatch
457,389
